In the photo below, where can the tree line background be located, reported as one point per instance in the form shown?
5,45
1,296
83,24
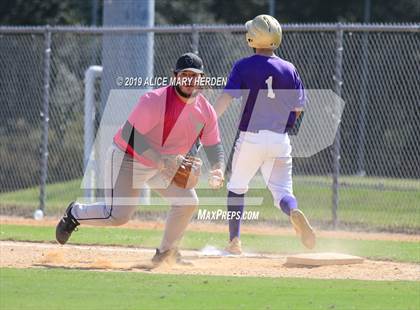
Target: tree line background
71,12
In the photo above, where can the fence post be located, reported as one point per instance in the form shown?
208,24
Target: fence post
338,81
361,170
195,39
45,117
91,74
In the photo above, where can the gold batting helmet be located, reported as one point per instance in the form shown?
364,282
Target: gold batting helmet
264,31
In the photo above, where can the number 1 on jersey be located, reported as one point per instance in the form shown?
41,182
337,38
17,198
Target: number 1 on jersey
269,82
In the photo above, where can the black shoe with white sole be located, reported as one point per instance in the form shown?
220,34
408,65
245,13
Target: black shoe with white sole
66,226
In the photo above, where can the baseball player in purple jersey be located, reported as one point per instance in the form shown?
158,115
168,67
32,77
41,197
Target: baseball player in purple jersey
273,99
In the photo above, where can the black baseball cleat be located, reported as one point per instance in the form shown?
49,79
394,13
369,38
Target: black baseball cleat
66,226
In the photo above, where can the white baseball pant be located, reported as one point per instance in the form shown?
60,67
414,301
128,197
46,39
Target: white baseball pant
265,150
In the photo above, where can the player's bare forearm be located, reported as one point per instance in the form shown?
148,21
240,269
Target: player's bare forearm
298,111
295,121
222,103
299,114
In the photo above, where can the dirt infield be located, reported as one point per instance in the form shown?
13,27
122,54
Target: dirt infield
104,258
129,259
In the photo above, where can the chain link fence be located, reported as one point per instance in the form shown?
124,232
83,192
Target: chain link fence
368,179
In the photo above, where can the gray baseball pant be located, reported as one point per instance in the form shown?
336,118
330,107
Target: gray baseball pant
124,178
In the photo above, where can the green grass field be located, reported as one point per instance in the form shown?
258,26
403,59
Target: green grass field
366,203
58,288
64,289
362,204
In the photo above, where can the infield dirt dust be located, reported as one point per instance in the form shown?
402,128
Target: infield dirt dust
134,259
128,259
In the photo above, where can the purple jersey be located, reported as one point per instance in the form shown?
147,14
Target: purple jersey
270,88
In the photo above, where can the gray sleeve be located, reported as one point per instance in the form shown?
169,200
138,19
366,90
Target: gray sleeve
215,155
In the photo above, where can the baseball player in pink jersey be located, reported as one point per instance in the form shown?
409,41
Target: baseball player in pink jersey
165,123
273,99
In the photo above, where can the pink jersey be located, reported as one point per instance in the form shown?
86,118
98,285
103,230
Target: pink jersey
169,125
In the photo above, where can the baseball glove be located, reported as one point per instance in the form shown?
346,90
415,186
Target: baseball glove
183,171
